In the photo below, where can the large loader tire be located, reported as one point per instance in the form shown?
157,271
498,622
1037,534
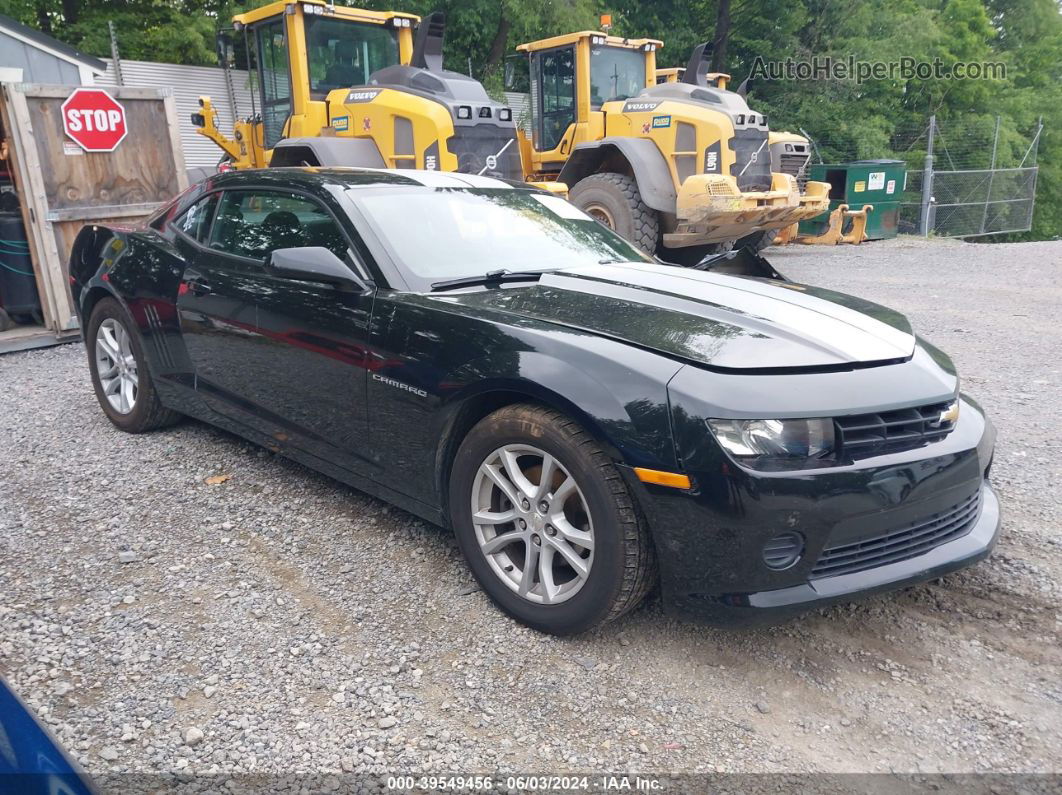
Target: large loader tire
614,200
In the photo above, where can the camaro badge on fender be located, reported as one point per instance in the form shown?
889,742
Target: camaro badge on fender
399,384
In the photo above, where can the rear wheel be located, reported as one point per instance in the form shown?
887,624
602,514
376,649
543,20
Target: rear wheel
119,371
546,522
614,200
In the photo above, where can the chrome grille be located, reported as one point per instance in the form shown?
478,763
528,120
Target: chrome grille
861,435
908,542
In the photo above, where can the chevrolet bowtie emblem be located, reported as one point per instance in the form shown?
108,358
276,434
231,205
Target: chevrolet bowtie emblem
949,416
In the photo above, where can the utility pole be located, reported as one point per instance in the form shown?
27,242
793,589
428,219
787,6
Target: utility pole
927,180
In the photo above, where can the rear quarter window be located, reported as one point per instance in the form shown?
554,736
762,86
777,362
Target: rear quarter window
195,221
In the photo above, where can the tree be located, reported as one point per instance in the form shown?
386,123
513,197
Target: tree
721,36
848,118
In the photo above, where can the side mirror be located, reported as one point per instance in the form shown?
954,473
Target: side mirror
517,75
223,47
314,264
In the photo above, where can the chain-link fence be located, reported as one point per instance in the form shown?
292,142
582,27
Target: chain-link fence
964,179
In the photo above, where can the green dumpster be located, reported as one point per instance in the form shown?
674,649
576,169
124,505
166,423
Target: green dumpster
877,182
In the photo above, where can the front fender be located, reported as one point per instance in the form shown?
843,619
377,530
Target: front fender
648,165
627,415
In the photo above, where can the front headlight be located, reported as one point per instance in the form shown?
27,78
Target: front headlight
770,443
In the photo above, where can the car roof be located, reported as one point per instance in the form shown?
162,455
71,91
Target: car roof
318,176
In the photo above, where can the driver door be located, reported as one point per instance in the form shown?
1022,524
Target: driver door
303,359
554,95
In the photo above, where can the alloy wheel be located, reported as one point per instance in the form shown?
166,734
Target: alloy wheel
532,523
116,365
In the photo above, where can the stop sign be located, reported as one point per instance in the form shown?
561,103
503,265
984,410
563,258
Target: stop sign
93,119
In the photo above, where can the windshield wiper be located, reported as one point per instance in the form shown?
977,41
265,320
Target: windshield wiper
490,277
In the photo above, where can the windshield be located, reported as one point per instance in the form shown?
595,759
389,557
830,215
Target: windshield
449,233
615,73
343,53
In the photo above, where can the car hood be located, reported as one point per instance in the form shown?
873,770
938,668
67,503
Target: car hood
711,319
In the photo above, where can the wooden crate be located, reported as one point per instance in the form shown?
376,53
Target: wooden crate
63,187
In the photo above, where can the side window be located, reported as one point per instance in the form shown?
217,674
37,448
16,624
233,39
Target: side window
196,219
276,82
554,82
254,223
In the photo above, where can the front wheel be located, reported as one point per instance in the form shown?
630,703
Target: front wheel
615,201
546,522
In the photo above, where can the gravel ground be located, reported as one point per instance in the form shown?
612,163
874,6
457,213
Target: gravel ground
280,622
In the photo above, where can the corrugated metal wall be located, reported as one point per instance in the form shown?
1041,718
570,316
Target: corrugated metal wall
187,84
521,105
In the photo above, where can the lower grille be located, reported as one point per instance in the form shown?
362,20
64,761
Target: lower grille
898,545
752,160
486,149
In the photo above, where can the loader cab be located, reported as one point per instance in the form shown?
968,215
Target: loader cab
571,79
670,75
303,50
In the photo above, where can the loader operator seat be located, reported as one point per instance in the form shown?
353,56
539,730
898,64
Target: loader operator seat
343,72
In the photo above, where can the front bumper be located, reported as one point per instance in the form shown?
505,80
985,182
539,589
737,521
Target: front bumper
776,605
710,541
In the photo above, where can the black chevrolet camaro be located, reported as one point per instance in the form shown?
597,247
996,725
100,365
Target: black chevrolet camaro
589,423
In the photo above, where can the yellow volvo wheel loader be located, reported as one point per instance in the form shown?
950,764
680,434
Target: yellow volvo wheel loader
790,153
349,87
682,168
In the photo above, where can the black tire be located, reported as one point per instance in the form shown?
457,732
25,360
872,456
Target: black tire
6,323
614,200
148,413
623,567
758,241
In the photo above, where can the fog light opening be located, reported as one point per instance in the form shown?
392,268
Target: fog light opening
783,551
